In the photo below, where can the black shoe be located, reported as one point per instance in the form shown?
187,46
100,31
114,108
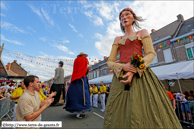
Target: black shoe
52,104
78,117
83,115
58,104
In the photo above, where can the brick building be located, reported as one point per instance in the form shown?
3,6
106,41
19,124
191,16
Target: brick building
15,69
173,43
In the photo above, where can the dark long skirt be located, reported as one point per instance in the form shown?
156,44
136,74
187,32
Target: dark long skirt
77,99
58,89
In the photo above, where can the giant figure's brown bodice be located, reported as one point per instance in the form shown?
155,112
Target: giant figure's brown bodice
129,48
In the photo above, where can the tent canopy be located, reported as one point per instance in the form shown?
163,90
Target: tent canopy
169,72
184,70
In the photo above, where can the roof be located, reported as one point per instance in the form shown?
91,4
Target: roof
186,27
12,73
165,31
19,66
3,70
98,64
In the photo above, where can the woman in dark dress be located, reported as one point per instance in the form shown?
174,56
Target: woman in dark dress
78,95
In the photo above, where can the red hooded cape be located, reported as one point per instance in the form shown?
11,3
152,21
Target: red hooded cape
79,68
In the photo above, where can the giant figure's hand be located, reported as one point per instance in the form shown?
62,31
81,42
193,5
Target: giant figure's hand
126,67
129,76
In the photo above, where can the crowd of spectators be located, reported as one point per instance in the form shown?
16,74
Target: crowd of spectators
99,94
184,103
6,90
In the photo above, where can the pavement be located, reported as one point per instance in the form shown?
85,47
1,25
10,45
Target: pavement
93,120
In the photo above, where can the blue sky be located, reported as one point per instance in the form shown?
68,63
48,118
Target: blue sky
63,29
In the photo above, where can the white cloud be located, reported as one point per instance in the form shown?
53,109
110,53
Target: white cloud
161,13
3,15
65,41
42,14
94,18
31,29
44,54
43,39
11,27
2,5
45,14
106,10
11,41
35,10
98,21
98,36
73,28
71,53
89,13
62,48
80,35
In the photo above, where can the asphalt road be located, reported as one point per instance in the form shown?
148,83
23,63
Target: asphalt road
93,119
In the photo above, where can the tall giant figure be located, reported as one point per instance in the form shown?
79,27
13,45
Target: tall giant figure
58,84
78,95
137,98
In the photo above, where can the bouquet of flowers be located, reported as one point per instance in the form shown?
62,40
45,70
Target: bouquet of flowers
137,61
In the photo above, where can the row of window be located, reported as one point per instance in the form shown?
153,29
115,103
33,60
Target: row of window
168,55
95,74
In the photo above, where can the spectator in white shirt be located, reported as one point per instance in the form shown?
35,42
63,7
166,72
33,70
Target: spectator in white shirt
13,87
6,86
184,104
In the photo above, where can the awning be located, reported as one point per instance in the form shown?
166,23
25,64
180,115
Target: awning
7,81
184,70
105,79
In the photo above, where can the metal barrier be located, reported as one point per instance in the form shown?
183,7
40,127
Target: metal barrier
185,109
12,105
4,107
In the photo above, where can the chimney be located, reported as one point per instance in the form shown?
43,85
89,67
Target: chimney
99,60
105,57
95,62
20,64
15,61
180,17
8,66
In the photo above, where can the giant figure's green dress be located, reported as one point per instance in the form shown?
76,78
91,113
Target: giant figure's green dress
144,103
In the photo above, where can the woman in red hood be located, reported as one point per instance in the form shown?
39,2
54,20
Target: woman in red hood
78,95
